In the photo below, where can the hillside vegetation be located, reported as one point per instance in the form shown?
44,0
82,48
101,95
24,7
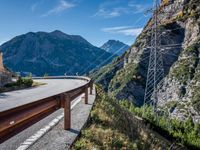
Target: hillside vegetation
113,125
53,53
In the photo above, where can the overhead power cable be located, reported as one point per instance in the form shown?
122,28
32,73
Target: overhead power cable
95,60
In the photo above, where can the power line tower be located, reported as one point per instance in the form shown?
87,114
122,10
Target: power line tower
155,69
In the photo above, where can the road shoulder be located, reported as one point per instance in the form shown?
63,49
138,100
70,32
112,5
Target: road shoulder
60,139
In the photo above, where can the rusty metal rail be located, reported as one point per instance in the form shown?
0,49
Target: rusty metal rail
17,119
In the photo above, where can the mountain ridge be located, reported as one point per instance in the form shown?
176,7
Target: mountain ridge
115,47
53,53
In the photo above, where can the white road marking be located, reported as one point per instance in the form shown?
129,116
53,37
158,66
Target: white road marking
31,140
77,101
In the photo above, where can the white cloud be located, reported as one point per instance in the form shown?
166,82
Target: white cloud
62,6
131,32
139,8
37,5
33,7
110,13
125,30
116,28
119,8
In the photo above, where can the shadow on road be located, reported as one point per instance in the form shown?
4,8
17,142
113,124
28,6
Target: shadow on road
2,95
74,131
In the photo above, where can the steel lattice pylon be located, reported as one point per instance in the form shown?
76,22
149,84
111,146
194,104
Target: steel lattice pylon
155,73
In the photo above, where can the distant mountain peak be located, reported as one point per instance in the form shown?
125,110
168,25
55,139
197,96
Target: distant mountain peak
112,40
76,38
115,46
58,32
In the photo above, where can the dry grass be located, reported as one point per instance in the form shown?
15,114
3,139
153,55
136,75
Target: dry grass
113,128
35,84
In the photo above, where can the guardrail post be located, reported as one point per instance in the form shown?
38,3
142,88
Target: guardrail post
86,95
91,88
67,112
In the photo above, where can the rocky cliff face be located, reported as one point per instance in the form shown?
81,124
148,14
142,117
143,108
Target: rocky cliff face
182,82
182,85
53,53
180,29
115,47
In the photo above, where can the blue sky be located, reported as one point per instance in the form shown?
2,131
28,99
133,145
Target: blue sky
95,20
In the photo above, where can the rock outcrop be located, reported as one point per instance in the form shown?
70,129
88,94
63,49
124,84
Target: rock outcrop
179,24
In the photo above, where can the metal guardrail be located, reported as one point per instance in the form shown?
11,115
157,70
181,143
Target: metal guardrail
63,77
15,120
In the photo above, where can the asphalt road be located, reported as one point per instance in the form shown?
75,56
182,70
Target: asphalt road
14,142
16,98
13,99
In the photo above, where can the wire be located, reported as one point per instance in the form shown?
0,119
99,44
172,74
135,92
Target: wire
174,29
143,59
82,72
170,54
103,61
108,76
166,29
120,48
172,45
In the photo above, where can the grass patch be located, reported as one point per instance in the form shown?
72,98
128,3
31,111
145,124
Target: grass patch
185,132
112,127
35,84
21,83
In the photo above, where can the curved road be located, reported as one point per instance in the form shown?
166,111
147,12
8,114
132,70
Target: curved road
13,99
52,87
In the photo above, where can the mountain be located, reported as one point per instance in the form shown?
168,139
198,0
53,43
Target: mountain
125,78
115,47
54,53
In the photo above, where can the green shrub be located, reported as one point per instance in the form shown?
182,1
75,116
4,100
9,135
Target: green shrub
28,82
10,85
196,99
185,132
19,81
